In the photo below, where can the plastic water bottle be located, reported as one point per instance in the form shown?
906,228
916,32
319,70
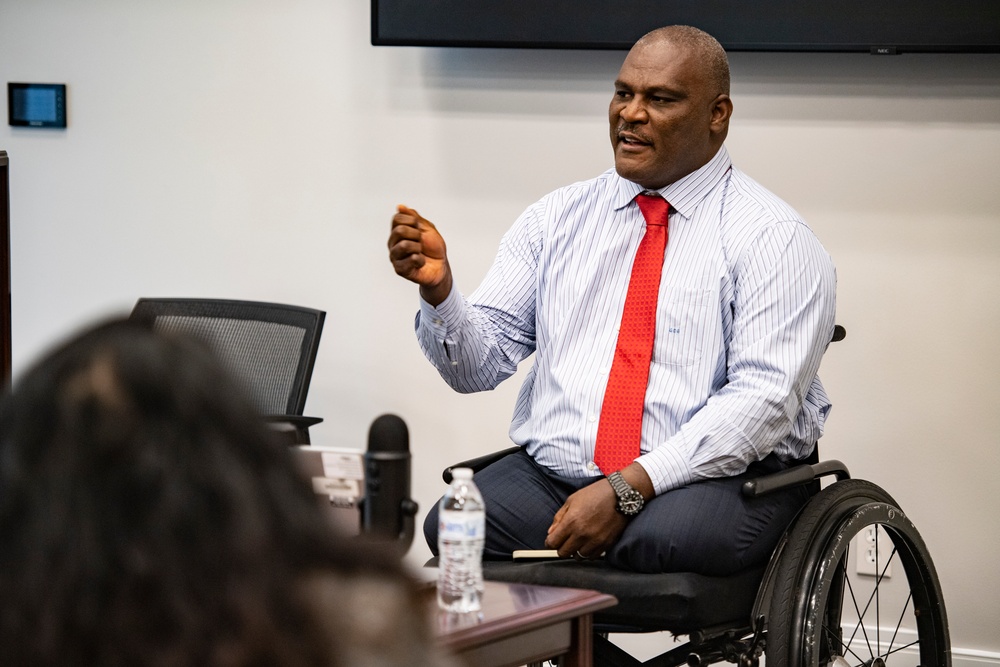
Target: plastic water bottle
461,532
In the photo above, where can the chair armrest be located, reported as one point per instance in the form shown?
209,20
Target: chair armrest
297,420
795,476
479,462
294,429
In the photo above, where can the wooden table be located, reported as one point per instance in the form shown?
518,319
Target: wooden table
520,623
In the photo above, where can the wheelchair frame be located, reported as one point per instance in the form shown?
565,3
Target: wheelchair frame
797,619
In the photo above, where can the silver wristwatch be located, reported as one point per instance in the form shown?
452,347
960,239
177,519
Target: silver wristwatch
629,500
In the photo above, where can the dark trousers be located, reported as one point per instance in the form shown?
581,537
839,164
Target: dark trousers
706,527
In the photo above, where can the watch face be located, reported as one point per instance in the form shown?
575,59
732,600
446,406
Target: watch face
630,503
629,500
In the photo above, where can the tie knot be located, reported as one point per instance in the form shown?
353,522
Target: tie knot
654,208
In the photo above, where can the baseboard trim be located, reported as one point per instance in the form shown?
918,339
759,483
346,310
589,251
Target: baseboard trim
645,646
960,657
973,658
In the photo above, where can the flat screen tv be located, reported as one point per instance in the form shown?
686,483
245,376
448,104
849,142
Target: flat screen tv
868,26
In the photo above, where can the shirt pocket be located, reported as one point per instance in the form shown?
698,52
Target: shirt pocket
682,319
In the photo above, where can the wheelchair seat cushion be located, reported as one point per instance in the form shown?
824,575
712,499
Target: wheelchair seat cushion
679,602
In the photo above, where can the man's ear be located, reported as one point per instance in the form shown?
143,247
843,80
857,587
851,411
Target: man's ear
722,111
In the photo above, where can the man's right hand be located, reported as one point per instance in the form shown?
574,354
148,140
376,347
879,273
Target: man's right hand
417,252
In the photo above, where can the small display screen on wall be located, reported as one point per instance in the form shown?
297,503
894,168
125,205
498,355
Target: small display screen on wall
36,104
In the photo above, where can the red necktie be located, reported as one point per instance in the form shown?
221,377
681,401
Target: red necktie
620,429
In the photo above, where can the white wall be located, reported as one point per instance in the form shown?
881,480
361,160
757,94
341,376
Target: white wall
253,149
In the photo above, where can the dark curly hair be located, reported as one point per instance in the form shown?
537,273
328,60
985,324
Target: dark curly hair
147,517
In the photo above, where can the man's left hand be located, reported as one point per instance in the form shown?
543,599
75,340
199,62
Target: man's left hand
588,523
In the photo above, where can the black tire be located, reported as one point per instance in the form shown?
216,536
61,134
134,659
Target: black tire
806,624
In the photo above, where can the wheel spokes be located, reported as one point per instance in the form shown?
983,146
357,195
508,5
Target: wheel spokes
876,654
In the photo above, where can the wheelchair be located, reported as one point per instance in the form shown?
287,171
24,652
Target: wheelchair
800,610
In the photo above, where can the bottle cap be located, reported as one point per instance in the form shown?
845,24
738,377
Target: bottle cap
463,474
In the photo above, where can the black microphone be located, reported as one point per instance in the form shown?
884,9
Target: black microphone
387,509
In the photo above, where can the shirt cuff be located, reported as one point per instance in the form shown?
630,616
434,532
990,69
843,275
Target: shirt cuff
446,315
667,468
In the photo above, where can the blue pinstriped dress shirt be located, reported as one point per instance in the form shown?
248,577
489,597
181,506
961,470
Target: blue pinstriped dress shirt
745,312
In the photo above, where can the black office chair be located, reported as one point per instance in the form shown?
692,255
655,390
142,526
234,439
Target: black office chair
270,347
797,609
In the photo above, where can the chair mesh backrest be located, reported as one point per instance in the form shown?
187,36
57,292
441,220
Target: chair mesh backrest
270,348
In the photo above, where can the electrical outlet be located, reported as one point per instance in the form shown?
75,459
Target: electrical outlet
874,551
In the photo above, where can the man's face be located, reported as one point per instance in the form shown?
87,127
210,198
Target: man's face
666,119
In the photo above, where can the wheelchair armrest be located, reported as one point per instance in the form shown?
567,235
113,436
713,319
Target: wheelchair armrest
479,462
800,474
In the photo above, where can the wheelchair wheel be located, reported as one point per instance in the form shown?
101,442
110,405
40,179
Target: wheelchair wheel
821,617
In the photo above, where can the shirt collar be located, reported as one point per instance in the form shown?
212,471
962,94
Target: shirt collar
684,194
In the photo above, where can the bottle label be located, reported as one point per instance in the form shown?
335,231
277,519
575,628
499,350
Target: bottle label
461,526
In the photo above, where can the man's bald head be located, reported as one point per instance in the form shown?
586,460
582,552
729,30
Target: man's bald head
706,49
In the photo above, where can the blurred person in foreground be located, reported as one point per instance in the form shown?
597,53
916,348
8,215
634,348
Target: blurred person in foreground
148,518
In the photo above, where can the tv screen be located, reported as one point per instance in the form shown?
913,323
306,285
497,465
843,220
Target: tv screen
869,26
